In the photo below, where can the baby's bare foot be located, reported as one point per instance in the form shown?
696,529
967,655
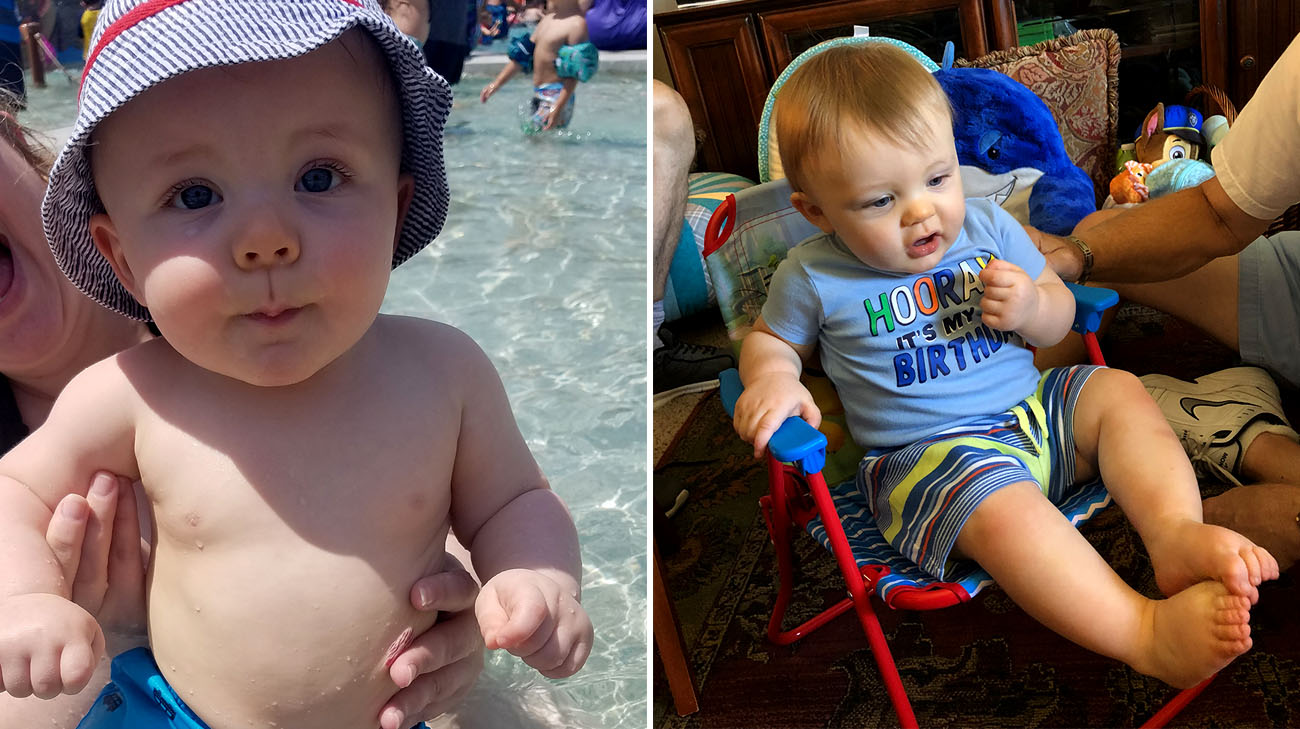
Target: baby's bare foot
1194,634
1186,552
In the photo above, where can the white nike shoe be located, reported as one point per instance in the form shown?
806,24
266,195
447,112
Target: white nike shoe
1217,416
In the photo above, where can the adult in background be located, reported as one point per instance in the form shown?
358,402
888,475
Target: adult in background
1197,254
616,25
677,364
450,37
411,17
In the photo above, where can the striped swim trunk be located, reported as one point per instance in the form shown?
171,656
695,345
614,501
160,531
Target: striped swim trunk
921,494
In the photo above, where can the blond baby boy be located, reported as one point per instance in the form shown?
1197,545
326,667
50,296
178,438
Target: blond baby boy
920,304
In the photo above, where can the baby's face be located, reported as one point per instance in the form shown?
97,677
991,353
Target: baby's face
897,208
254,209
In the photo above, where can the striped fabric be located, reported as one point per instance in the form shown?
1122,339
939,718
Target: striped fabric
902,576
1042,434
141,43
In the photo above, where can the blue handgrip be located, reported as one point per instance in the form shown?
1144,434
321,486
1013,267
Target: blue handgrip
794,442
729,388
1089,303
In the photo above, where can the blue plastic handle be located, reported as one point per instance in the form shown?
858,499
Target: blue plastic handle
794,442
1089,303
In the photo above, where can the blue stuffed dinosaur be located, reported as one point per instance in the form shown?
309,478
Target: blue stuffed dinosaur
1010,148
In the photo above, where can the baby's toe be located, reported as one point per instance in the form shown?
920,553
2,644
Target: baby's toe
1268,566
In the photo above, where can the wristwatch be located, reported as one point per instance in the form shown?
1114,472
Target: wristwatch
1086,270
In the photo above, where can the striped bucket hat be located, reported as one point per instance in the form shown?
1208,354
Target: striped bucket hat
140,43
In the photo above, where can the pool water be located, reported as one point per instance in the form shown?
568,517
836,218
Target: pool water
543,262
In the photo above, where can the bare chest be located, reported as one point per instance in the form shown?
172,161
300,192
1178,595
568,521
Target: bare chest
333,474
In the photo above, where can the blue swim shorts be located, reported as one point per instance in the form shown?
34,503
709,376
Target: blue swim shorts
138,697
544,98
1268,278
921,494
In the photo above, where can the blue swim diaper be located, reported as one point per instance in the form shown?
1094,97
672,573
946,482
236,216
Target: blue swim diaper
138,697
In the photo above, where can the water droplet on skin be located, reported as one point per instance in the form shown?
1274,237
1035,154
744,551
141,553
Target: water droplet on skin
198,609
199,545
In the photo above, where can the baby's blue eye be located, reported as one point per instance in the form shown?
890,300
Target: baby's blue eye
194,197
880,202
937,181
319,179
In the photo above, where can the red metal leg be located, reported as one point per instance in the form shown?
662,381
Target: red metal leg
861,601
1094,352
1176,704
779,524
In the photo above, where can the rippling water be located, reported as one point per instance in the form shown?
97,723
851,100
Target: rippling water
543,263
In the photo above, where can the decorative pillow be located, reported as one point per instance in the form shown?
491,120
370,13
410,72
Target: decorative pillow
1078,78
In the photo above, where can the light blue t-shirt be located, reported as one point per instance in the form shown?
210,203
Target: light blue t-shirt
908,353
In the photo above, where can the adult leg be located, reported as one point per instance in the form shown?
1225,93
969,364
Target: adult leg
678,365
1206,298
1226,299
674,148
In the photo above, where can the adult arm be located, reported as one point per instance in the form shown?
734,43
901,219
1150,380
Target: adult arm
1256,178
1162,239
411,17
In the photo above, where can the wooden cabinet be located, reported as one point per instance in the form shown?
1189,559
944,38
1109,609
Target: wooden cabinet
1242,39
719,69
724,57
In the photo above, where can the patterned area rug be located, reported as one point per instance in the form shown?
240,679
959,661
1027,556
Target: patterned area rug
982,664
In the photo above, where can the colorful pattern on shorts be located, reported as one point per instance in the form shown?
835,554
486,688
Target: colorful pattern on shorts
922,494
544,98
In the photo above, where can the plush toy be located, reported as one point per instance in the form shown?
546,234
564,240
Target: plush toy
1130,185
1007,140
1177,174
1166,154
1169,133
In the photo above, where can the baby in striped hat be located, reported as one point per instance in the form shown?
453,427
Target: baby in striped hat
245,174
